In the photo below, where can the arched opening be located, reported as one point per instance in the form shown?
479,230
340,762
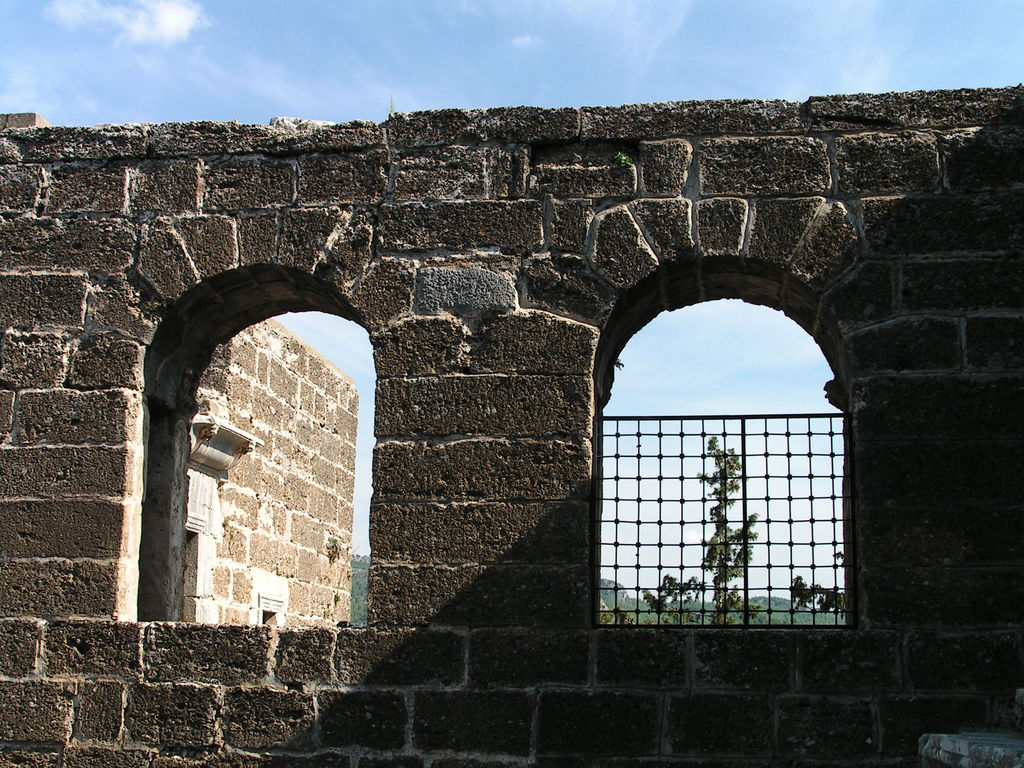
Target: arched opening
247,512
721,468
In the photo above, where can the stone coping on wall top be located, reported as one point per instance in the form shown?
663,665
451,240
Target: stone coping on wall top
973,749
536,125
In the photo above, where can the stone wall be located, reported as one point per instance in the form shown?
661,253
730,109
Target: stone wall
286,508
499,260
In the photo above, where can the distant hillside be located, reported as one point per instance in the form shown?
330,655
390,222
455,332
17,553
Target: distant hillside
360,572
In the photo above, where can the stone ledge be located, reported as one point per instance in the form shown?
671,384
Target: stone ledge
976,749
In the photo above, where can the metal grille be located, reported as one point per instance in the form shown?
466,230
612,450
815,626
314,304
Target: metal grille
723,520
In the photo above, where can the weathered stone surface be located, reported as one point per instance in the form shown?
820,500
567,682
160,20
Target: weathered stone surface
351,177
583,171
68,417
261,718
664,167
19,641
100,711
750,661
32,359
107,245
570,222
911,344
385,293
30,758
601,723
163,261
461,533
86,187
647,657
82,648
621,251
918,109
46,144
896,226
61,528
828,247
686,118
517,658
904,718
210,242
763,166
202,653
459,173
172,715
981,661
304,655
533,343
820,727
514,225
720,225
977,284
666,225
32,301
35,711
778,226
306,236
103,361
995,343
511,124
865,295
979,158
885,162
58,588
849,662
566,284
473,721
282,136
463,291
248,182
516,406
719,723
19,187
399,657
493,469
375,719
500,595
164,185
58,471
257,238
419,346
102,757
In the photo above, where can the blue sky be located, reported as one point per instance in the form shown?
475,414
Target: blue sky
83,62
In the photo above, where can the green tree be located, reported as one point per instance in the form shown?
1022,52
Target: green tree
828,600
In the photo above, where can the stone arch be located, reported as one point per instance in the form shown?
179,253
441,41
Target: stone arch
206,315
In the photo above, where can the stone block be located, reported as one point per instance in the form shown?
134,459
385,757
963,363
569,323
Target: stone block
34,301
457,226
466,290
901,226
385,292
19,642
399,761
87,648
664,167
969,284
163,261
518,406
822,728
59,588
514,595
877,163
752,661
257,238
248,182
666,225
375,719
980,158
100,711
828,247
284,135
720,723
6,413
105,245
210,242
503,124
904,718
32,360
918,109
473,721
69,417
172,715
907,344
459,533
61,528
514,658
29,758
597,723
850,662
35,711
204,653
644,657
264,718
102,757
686,118
90,187
47,144
399,657
764,166
973,661
359,177
995,343
567,285
569,224
720,226
164,186
43,471
19,187
458,173
778,228
492,469
533,343
621,252
864,296
591,171
419,346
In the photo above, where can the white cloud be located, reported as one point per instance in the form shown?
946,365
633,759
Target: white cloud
162,22
526,41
